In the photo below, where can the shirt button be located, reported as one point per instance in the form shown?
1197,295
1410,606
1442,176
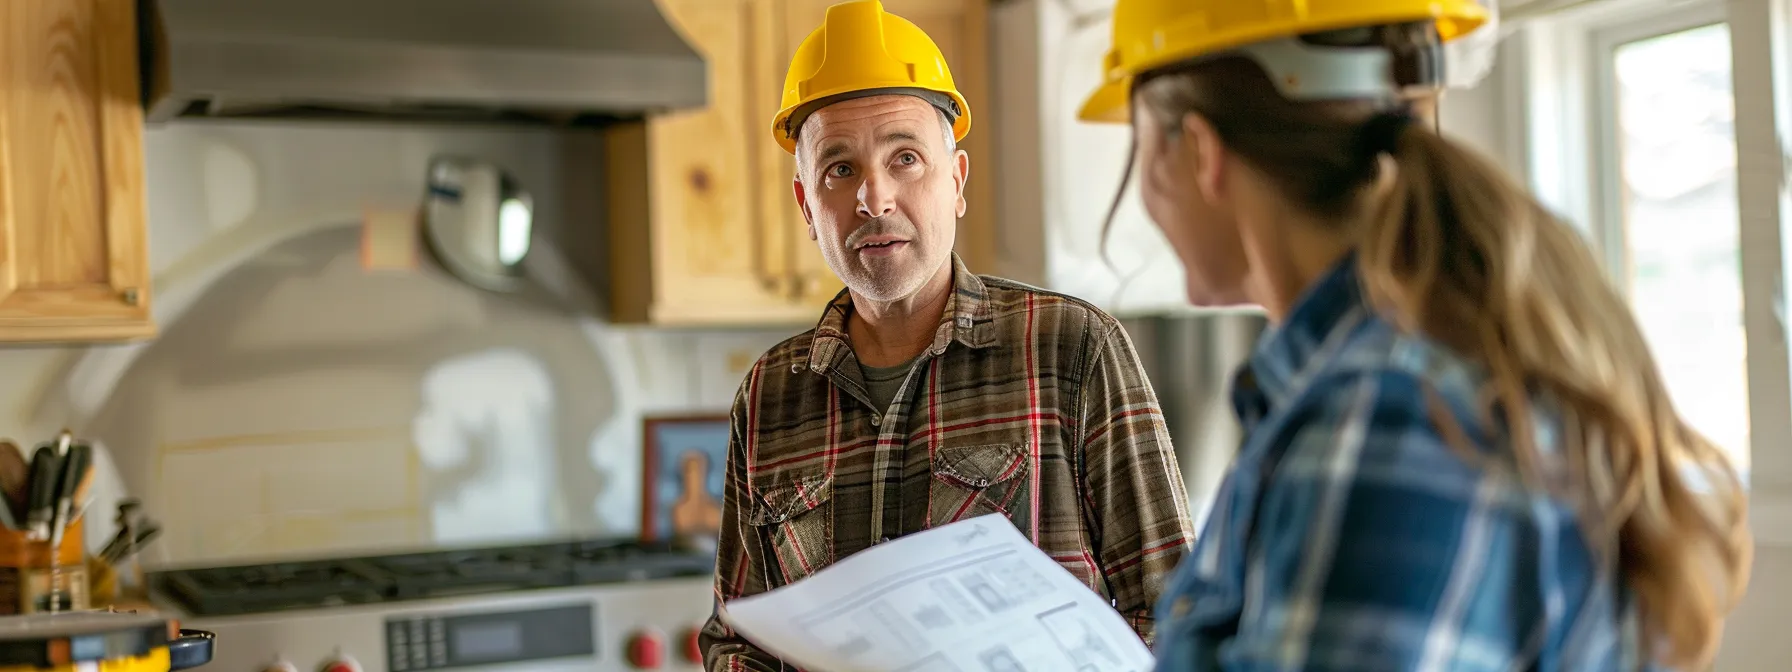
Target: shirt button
876,419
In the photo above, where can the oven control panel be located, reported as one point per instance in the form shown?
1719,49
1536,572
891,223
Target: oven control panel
647,626
421,643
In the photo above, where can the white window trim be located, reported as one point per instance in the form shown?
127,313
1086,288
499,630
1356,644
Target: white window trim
1760,37
1558,63
1606,177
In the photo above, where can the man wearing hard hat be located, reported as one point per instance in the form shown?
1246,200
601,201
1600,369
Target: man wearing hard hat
928,394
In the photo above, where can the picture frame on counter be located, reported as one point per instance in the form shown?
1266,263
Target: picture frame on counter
682,462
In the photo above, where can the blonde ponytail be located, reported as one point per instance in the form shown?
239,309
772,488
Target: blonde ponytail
1457,250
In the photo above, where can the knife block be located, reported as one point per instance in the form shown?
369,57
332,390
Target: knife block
32,573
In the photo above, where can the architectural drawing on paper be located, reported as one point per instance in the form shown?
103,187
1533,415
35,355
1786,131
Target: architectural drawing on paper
890,622
1080,639
935,663
953,601
854,647
999,659
984,591
887,618
1020,581
944,600
932,617
1001,584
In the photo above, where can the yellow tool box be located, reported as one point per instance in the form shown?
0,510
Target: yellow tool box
99,641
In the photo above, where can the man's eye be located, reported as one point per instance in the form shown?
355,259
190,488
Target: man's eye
840,170
908,159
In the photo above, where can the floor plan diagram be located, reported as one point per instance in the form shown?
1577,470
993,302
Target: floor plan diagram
974,596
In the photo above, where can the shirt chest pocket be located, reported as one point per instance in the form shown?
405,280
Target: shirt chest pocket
969,481
795,521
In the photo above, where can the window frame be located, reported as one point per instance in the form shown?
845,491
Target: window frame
1607,180
1561,65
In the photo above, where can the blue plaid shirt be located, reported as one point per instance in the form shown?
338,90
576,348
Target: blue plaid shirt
1351,535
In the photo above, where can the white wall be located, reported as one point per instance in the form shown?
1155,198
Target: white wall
298,403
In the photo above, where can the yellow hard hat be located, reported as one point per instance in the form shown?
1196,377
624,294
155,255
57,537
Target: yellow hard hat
862,50
1150,34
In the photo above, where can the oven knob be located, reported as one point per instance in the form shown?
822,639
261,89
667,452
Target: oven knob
693,646
341,664
646,650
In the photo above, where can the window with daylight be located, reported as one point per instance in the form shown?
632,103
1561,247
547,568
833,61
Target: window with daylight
1672,201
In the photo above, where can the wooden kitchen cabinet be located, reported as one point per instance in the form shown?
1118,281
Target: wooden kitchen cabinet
703,223
73,257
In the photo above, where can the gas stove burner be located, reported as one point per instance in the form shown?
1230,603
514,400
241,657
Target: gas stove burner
258,587
217,591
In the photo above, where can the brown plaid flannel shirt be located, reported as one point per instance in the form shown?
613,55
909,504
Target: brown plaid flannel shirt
1028,403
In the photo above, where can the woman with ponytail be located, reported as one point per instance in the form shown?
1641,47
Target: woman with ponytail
1459,453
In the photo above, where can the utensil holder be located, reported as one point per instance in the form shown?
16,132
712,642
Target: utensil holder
35,578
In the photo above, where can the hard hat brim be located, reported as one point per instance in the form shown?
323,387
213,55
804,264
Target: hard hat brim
1110,103
961,125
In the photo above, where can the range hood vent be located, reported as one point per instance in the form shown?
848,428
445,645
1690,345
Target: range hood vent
554,62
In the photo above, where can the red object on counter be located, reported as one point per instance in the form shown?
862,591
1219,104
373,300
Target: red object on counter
646,650
693,646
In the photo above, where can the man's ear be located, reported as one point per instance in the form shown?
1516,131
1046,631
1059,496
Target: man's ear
802,204
802,199
961,174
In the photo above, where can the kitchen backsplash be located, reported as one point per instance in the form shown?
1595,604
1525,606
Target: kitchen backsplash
297,403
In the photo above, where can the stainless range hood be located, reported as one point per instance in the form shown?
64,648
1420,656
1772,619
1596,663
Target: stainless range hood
561,62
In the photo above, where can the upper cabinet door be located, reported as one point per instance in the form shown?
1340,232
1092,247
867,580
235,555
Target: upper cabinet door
960,29
1084,164
73,259
689,244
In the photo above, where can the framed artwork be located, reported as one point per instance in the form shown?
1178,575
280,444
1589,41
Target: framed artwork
682,465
